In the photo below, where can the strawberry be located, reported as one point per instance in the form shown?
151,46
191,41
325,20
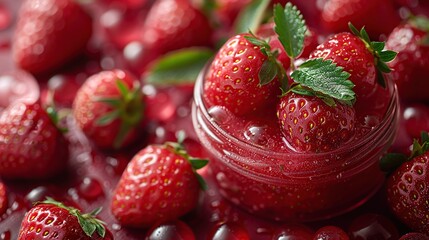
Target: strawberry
171,25
49,33
54,220
310,125
109,108
359,56
411,67
407,188
159,184
233,79
31,146
337,13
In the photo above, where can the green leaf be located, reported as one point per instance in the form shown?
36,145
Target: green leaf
387,56
250,18
268,72
291,29
353,29
421,22
108,118
178,67
113,102
123,89
391,161
382,66
87,226
326,78
198,163
201,181
299,89
101,230
378,46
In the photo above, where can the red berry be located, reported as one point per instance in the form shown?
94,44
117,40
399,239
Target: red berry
293,232
337,13
310,125
50,33
372,226
54,220
232,80
31,146
414,236
407,191
229,231
109,108
331,233
174,230
158,185
171,25
350,52
416,119
411,66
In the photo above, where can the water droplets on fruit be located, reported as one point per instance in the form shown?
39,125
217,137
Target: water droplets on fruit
256,134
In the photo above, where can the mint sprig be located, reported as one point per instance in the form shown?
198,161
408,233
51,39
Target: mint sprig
291,29
324,79
381,56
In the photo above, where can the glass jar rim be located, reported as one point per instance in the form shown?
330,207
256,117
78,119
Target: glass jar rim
357,145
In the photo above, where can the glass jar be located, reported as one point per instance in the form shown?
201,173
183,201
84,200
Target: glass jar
290,185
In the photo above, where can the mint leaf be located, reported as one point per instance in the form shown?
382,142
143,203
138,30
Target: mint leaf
291,28
324,77
178,67
250,18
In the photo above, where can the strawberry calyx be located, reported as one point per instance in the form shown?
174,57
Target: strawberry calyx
56,116
88,221
196,163
381,56
271,67
391,161
128,108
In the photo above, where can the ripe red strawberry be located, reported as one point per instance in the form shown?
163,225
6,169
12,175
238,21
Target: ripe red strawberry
171,25
411,66
310,125
159,184
337,13
31,146
232,80
358,56
54,220
407,188
49,33
109,108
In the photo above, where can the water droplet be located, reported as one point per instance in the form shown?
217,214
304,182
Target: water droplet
90,188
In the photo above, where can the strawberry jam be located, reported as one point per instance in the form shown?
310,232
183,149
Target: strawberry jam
273,181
